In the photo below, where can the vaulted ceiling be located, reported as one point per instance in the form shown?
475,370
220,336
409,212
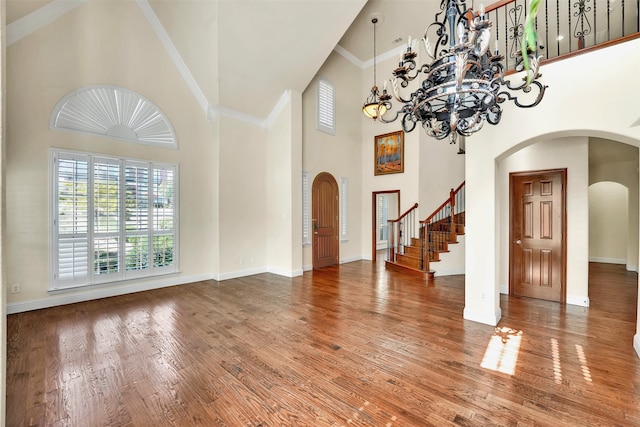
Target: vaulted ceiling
241,56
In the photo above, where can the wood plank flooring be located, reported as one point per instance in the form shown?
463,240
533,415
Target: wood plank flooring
353,345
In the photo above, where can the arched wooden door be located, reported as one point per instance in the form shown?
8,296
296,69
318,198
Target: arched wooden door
324,208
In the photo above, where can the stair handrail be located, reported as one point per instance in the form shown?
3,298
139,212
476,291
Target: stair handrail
414,207
427,245
395,232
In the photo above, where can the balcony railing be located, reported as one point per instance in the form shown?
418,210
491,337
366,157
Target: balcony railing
564,27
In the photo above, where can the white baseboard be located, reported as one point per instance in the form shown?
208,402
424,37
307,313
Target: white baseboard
239,273
578,300
285,273
636,344
448,273
486,318
350,259
101,292
504,289
631,267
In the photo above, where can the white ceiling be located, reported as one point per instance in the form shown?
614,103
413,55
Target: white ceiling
243,55
399,19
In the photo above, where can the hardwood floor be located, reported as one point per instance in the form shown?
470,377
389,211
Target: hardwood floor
344,346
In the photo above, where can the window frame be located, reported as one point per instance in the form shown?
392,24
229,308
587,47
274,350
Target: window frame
326,90
90,278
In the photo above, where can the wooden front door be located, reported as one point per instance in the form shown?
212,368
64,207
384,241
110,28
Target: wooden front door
324,201
537,233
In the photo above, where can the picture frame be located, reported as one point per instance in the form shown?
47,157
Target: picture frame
388,153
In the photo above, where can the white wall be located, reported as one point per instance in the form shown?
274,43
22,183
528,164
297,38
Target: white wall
243,199
407,182
3,269
608,222
48,64
338,154
556,117
622,169
284,190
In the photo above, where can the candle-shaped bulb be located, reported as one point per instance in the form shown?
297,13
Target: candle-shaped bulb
384,86
401,62
409,44
497,45
482,10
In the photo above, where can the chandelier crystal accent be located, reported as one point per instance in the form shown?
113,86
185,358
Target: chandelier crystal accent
464,84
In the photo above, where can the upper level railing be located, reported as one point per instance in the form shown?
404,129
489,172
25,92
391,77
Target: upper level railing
564,27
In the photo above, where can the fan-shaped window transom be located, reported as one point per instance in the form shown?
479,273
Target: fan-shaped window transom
114,112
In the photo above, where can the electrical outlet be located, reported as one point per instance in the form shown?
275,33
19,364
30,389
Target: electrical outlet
15,288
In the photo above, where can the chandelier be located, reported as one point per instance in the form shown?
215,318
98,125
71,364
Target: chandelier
373,107
464,84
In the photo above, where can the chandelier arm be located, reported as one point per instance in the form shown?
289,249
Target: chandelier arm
411,122
532,75
541,89
384,119
396,91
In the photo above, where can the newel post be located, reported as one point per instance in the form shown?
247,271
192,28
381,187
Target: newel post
452,203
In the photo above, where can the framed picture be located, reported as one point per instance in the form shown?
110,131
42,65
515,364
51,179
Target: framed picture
388,152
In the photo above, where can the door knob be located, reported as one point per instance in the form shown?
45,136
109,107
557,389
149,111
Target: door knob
518,242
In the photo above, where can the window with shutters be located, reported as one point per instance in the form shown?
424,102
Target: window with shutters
383,216
344,209
113,219
326,106
306,209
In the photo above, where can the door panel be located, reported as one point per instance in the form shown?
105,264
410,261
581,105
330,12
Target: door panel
537,228
324,199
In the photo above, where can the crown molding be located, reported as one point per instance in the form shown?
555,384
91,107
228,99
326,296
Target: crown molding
348,56
162,34
28,24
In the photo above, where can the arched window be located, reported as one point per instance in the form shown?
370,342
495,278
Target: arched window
113,112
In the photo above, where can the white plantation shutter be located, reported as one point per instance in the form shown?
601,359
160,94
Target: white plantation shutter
383,216
306,209
71,207
344,209
106,219
326,106
113,219
164,213
137,204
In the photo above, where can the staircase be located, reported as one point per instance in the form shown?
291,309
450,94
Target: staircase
415,245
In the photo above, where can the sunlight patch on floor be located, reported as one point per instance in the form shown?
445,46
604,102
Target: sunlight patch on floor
586,373
502,351
557,368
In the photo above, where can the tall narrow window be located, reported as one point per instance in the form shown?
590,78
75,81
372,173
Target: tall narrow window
326,106
113,219
383,216
306,209
344,209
